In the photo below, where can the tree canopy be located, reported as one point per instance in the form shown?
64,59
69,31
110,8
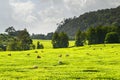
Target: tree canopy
60,40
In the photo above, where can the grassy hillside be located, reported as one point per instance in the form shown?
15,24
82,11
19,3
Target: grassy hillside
88,62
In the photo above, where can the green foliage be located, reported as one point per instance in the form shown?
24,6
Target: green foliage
112,37
63,40
4,40
91,34
15,40
55,40
100,34
2,47
24,39
78,39
10,30
39,46
97,35
32,46
14,45
60,40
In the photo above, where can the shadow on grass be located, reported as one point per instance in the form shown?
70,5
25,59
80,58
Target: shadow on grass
90,70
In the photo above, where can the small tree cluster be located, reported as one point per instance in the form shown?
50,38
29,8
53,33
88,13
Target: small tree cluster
60,40
21,39
39,46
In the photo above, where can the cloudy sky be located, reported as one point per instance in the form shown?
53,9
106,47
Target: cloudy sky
41,16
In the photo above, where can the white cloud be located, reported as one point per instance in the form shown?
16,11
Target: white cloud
75,3
23,11
74,6
77,7
51,13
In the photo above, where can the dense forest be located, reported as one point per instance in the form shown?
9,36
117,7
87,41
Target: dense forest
105,17
15,40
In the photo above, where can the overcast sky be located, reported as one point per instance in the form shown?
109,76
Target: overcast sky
41,16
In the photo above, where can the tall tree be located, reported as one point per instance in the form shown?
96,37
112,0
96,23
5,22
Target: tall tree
25,39
100,34
78,39
60,40
10,30
55,40
91,35
64,40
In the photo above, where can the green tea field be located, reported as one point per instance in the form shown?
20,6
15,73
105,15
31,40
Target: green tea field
90,62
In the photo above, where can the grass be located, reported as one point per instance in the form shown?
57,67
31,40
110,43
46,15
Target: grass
87,62
48,43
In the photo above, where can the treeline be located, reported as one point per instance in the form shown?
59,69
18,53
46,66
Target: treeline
104,17
94,35
17,40
42,36
102,34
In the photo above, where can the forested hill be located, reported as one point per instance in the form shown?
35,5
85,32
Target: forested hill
104,17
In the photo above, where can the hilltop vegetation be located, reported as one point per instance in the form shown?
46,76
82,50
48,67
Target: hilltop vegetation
105,17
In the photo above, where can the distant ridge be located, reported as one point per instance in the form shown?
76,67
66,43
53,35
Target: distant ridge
104,17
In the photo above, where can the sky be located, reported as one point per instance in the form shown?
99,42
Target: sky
41,16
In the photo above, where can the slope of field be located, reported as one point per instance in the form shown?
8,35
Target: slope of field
87,62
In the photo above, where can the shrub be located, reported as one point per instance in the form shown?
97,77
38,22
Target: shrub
36,51
38,56
9,54
39,46
112,37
